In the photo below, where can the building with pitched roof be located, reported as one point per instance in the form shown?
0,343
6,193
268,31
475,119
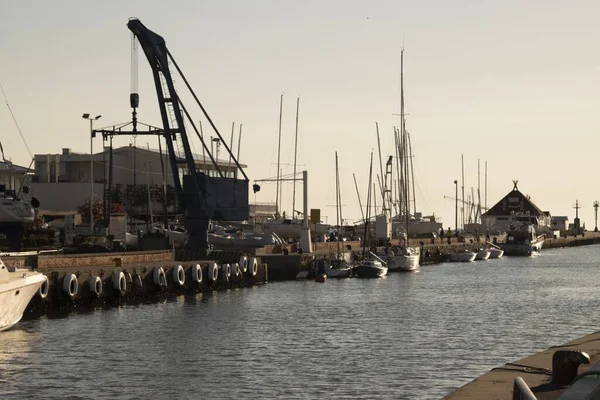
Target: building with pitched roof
515,205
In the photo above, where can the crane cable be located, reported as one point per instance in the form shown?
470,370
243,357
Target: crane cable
16,123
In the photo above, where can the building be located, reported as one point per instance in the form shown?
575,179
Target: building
560,223
13,176
62,182
498,217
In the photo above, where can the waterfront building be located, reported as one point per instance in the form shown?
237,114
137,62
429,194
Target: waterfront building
62,182
498,217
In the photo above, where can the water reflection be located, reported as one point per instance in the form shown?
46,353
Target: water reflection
415,335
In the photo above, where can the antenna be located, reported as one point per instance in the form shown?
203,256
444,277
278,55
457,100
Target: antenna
596,205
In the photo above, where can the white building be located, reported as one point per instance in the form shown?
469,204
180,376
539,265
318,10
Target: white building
62,182
13,176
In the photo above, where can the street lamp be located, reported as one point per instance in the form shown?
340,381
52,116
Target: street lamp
87,116
456,205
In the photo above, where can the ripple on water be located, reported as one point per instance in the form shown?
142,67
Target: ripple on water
419,335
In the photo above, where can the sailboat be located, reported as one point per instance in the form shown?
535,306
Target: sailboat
372,266
404,258
338,267
288,228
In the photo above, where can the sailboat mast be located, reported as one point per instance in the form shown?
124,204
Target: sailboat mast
462,157
398,182
380,164
486,185
278,157
358,195
337,203
478,190
295,157
337,192
412,172
366,236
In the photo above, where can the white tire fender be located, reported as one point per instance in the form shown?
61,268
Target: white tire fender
119,282
197,273
178,275
253,267
95,285
244,264
159,277
70,285
44,288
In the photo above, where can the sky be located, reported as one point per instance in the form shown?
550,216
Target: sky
511,83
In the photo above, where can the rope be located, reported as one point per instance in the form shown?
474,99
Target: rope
16,123
524,368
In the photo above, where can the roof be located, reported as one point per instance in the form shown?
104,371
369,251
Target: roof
202,159
13,168
199,158
515,202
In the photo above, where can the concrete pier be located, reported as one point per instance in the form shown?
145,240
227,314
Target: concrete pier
535,370
91,280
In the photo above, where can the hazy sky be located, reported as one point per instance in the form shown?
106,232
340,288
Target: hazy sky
513,83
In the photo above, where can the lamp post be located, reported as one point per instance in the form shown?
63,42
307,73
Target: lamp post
456,205
87,116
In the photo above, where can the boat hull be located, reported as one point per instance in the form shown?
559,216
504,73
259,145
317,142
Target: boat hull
483,255
463,257
523,249
496,253
343,272
369,271
15,295
402,263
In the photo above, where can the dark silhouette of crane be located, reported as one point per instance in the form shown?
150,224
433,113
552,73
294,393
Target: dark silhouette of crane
201,197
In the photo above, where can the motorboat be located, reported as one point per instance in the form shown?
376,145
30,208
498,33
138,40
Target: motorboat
496,253
403,259
463,256
339,268
483,254
522,240
17,288
370,268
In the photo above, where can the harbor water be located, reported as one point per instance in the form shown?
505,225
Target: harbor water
408,336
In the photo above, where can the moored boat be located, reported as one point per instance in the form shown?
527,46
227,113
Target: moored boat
496,253
522,240
404,259
17,287
370,268
483,254
338,268
463,256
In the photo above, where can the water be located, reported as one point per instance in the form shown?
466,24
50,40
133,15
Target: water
409,336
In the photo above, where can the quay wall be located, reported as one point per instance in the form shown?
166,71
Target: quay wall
94,280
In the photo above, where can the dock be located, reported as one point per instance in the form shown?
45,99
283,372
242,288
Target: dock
535,370
112,279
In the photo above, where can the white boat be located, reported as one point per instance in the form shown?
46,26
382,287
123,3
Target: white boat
403,259
463,256
483,254
496,253
17,287
522,240
339,269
